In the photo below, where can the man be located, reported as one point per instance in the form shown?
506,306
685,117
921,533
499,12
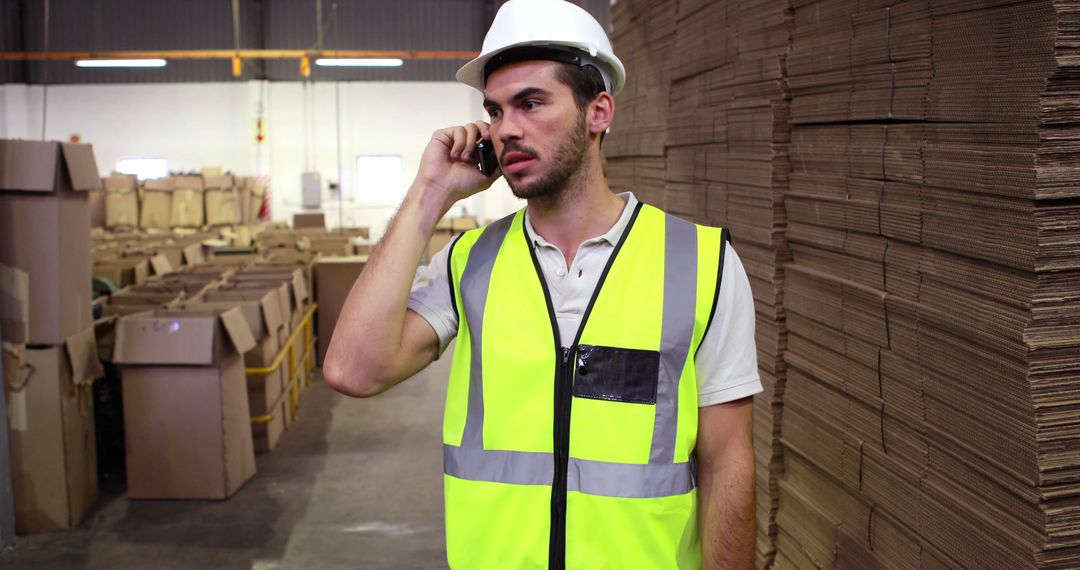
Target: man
599,412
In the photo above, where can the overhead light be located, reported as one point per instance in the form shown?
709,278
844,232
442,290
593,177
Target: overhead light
359,62
120,63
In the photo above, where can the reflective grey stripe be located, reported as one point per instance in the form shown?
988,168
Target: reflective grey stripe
475,280
590,477
629,479
680,301
496,466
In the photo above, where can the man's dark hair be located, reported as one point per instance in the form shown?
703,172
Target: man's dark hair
584,81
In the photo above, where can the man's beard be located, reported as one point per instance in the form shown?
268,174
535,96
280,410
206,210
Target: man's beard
566,162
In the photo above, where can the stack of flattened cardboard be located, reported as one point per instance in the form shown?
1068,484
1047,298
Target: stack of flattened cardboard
929,368
707,76
927,417
49,356
644,38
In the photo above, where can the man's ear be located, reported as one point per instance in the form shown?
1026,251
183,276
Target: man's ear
601,113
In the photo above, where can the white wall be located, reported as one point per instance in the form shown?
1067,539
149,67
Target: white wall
193,125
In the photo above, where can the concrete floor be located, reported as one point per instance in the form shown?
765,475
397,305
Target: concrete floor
353,484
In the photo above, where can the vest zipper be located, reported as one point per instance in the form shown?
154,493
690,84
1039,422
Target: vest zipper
564,381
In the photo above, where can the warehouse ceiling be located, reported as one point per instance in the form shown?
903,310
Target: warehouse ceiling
139,25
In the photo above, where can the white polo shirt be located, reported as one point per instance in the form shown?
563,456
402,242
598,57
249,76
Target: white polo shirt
726,362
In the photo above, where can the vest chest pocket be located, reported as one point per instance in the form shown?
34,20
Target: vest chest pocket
616,374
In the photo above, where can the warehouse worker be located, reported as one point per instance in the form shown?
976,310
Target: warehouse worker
599,412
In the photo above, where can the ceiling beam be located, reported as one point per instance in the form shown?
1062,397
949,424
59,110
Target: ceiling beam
229,54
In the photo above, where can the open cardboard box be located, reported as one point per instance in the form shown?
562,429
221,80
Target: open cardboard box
44,230
266,393
51,416
123,272
185,403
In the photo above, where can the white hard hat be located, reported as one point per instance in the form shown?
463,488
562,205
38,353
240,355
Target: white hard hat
552,28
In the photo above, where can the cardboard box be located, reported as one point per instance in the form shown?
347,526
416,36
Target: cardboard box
173,252
121,201
44,234
299,296
222,207
97,208
187,208
265,392
438,240
51,416
336,245
193,254
185,403
309,220
334,278
156,211
218,181
123,272
293,294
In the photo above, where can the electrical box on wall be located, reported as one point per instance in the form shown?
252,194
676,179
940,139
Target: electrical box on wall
311,190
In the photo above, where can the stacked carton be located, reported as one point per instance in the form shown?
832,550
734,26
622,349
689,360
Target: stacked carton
929,366
922,269
212,200
49,354
705,114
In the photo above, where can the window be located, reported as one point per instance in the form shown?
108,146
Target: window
143,168
378,179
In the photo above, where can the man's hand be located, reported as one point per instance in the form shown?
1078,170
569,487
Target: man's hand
377,341
448,164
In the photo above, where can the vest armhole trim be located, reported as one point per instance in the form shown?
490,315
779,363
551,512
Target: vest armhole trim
450,276
725,240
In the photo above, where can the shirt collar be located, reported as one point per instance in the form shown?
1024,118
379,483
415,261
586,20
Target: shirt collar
611,236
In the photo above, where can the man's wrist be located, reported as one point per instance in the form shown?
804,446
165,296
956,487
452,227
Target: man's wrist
430,202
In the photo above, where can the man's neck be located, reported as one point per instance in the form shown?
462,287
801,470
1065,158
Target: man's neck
585,209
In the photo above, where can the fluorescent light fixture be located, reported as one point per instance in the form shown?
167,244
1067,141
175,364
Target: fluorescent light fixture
357,62
120,63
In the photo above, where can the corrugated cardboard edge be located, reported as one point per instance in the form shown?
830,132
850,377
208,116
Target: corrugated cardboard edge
193,254
160,264
83,358
132,325
81,166
236,327
272,316
14,156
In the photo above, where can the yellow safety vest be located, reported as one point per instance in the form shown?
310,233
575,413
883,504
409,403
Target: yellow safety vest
579,457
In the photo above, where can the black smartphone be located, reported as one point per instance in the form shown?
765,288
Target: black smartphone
485,154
